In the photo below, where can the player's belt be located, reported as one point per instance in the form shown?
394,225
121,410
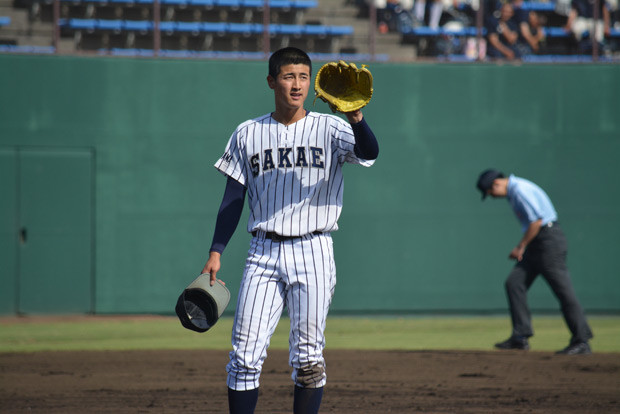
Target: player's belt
279,238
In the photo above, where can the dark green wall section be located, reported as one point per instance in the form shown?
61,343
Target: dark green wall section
414,234
8,231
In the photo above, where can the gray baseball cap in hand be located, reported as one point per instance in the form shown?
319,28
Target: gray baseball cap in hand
201,305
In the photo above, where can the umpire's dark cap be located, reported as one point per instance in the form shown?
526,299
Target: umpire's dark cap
485,181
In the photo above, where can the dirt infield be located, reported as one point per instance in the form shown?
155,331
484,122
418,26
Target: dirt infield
358,382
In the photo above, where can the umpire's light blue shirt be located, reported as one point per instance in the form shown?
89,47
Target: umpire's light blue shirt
529,202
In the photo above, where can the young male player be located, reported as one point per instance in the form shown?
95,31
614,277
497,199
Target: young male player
289,164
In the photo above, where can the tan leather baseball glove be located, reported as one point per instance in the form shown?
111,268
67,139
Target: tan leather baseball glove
343,86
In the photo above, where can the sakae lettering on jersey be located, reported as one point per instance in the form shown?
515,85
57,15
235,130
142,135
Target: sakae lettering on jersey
286,168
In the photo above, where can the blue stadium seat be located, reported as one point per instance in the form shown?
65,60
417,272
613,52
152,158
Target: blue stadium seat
193,27
560,32
305,4
168,27
538,6
287,29
466,31
5,21
339,30
294,4
113,25
557,58
244,28
276,4
424,31
555,32
316,30
309,30
82,24
138,25
27,49
349,57
127,52
202,3
199,54
253,4
455,58
233,4
182,3
213,27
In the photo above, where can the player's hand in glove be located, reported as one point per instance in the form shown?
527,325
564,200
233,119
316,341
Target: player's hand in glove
355,116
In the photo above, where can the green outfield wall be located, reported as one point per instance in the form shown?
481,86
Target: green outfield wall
109,195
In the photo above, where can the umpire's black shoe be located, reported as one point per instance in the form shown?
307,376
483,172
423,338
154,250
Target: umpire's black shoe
514,342
579,348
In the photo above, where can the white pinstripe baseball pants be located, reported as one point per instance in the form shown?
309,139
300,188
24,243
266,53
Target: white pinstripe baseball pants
299,274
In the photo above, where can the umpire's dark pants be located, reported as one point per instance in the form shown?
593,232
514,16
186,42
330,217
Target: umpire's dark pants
546,256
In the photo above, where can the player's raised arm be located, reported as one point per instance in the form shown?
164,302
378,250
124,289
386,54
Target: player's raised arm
366,145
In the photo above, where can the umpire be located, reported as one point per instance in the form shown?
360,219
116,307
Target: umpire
541,250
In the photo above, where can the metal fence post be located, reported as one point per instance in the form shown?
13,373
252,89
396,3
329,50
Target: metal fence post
56,33
266,33
156,30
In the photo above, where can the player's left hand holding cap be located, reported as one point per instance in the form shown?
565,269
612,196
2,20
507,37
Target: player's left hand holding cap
201,305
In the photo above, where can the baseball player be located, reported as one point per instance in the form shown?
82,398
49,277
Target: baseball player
541,250
289,165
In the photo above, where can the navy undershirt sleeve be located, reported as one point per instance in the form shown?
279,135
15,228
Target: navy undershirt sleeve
366,145
229,215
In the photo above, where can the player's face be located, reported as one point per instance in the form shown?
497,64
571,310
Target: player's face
291,86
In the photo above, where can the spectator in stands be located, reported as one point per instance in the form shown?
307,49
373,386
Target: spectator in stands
491,10
460,11
581,19
435,12
520,14
503,35
430,14
394,15
533,32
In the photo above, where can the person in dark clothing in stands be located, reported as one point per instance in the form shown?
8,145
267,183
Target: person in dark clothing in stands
533,33
530,27
541,250
503,35
581,19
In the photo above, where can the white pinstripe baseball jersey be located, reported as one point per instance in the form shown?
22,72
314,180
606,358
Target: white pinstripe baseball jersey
292,173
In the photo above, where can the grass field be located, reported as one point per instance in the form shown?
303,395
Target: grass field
30,334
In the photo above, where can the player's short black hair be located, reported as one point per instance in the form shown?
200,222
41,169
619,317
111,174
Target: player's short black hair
287,56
